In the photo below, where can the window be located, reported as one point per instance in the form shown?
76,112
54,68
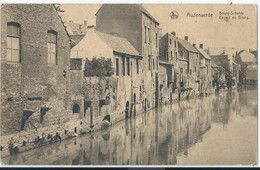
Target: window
176,54
128,66
149,31
156,39
52,47
181,53
149,62
13,42
195,68
137,66
76,108
170,41
117,66
157,62
153,64
123,65
171,56
175,44
145,34
181,74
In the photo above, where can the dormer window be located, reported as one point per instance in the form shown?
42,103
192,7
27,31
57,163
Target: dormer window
13,42
52,47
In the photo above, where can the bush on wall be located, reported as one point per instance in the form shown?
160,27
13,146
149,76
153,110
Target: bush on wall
99,67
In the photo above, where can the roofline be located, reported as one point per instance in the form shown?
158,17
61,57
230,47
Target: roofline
70,40
138,9
197,51
133,56
151,18
99,10
165,63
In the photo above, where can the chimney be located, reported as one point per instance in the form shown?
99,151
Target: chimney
186,38
194,45
201,46
173,33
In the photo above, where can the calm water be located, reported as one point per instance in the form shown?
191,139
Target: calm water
215,130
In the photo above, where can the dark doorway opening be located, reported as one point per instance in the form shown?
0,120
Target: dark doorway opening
91,118
87,104
43,112
26,115
76,108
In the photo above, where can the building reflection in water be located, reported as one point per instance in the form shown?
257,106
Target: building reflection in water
156,137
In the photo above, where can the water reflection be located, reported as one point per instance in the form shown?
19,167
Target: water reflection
157,137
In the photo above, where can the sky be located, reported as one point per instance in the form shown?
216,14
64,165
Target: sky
213,32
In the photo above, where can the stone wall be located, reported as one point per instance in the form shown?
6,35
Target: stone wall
32,85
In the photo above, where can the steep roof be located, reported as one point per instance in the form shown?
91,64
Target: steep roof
118,44
97,44
187,46
62,22
142,9
204,54
247,56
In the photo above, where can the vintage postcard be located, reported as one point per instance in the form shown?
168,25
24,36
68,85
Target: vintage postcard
129,84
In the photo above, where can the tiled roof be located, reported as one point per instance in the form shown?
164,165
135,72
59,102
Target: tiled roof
220,59
187,46
204,54
118,44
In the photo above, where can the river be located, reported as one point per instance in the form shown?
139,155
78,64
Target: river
215,130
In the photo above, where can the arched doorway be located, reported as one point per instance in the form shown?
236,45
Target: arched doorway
75,108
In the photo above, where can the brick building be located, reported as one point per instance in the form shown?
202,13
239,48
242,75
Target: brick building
35,71
141,29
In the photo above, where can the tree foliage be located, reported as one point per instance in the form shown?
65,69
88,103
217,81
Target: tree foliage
99,67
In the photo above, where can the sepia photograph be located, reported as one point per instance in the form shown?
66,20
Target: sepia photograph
129,84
